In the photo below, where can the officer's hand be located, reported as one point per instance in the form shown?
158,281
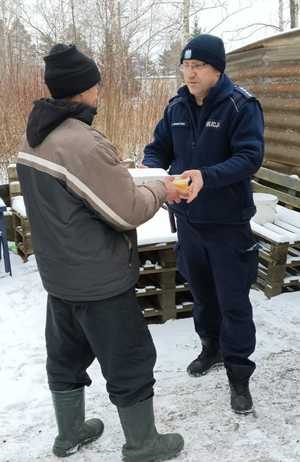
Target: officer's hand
196,183
173,195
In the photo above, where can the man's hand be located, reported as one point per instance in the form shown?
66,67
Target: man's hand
173,195
196,183
143,166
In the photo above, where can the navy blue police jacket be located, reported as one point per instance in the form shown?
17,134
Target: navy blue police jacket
226,145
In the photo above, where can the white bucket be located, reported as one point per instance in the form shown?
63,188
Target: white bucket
265,208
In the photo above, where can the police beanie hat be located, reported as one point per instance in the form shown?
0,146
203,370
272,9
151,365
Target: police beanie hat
206,48
69,72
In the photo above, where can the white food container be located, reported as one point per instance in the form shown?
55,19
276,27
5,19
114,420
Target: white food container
144,175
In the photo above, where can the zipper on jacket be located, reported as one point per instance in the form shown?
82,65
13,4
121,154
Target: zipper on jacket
194,142
130,249
204,117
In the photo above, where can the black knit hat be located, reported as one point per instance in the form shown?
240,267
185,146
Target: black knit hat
69,72
206,48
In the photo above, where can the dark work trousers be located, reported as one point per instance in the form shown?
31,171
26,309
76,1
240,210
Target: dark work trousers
114,332
220,263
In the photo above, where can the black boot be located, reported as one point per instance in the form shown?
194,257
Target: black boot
73,430
209,358
143,442
241,399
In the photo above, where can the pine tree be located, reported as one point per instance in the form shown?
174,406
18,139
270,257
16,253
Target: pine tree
169,58
196,29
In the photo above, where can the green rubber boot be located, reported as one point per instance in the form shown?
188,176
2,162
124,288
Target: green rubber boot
73,430
143,442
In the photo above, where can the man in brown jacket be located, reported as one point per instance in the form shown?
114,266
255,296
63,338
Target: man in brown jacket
83,209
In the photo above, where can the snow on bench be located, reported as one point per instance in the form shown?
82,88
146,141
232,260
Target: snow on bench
292,237
263,231
17,204
290,279
285,229
294,256
157,230
292,217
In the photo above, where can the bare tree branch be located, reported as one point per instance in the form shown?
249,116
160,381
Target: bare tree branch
256,24
229,16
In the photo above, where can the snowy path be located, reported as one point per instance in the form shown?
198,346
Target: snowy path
199,408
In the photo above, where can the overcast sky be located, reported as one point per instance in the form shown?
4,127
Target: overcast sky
232,28
251,12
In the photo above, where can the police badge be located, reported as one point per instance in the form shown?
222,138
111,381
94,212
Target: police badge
187,54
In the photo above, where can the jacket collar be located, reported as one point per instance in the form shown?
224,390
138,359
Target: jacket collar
222,90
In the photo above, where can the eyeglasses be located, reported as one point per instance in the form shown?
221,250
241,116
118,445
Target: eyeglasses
184,67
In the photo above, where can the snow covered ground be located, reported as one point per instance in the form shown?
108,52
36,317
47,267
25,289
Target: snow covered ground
198,408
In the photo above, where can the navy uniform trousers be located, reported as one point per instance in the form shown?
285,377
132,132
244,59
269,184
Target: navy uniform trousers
220,263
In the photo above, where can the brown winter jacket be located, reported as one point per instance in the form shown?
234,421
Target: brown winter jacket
83,208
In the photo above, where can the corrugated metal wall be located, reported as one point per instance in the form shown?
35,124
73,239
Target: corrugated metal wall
271,70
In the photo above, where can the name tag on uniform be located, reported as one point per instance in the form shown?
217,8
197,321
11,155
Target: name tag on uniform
213,124
178,124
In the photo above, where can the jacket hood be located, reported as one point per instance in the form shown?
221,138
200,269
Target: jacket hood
47,114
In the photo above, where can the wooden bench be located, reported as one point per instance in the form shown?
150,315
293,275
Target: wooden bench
161,291
21,226
279,255
3,239
4,195
155,289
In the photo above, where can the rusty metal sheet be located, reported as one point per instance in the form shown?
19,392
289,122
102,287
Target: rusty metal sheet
281,136
270,68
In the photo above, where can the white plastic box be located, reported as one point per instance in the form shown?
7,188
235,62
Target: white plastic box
144,175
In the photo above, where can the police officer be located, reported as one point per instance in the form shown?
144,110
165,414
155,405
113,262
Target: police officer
213,130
